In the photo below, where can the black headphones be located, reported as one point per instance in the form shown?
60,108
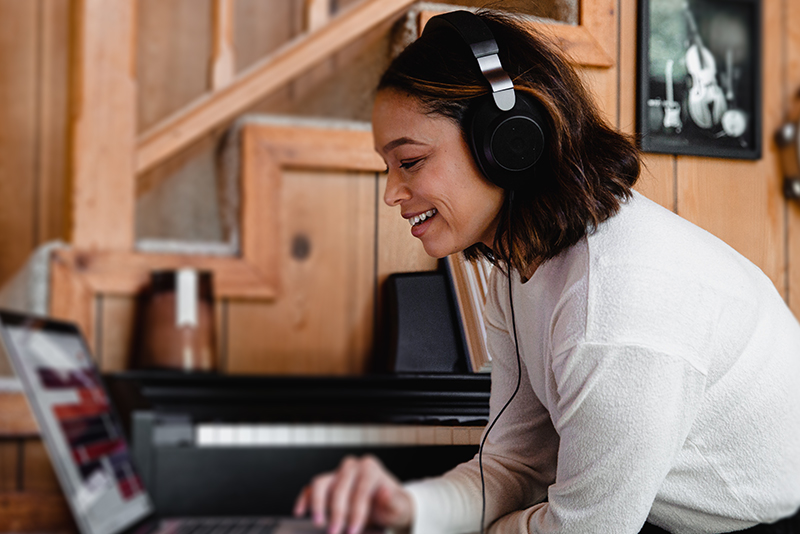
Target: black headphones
507,131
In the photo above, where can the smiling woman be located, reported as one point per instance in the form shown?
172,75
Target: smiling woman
644,374
430,171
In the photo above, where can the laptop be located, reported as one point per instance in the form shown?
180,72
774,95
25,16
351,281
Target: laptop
83,437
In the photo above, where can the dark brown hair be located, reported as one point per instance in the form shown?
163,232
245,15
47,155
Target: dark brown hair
587,169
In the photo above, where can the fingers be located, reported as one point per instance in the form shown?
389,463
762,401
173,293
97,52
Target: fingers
363,490
345,498
342,497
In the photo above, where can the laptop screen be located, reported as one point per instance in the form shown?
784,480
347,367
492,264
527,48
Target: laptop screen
79,427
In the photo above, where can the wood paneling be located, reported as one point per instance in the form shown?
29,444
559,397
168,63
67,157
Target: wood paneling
19,55
51,201
16,419
791,47
38,471
260,28
741,201
173,50
177,131
9,465
117,316
35,512
322,320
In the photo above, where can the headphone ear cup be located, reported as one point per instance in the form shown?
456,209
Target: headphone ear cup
507,144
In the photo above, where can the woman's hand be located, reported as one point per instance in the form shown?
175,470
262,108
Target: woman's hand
360,492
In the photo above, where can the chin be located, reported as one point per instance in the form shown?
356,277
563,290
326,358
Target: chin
436,250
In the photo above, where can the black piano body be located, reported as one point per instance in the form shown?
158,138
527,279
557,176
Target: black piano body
208,444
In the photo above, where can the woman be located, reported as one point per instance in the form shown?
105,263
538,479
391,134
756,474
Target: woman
645,375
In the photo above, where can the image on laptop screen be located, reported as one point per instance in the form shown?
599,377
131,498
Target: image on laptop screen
80,430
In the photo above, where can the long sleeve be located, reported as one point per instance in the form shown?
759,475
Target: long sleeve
519,457
625,412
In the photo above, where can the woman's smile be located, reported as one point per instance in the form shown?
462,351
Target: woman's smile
432,177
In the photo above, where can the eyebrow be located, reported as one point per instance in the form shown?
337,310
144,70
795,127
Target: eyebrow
391,145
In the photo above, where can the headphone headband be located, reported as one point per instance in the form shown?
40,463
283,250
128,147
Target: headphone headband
507,132
478,36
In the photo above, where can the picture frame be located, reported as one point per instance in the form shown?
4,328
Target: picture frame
699,78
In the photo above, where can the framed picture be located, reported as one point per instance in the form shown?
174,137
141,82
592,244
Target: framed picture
699,78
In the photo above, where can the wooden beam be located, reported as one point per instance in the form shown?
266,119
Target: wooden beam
317,14
301,146
103,125
223,58
209,111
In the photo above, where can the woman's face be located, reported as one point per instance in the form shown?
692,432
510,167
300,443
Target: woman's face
433,177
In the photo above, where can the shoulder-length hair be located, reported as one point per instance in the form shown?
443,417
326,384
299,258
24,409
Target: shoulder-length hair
588,167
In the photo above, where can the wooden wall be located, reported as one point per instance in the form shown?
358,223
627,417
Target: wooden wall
739,201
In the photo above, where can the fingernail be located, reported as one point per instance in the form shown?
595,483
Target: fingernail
335,528
319,520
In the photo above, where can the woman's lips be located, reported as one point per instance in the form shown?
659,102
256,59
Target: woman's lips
420,223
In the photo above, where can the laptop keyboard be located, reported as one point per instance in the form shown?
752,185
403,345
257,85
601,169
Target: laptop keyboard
219,526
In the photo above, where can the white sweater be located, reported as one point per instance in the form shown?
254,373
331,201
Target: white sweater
660,382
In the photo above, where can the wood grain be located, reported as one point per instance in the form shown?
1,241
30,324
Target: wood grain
657,181
18,132
103,125
35,512
317,13
263,27
39,474
741,201
51,208
322,320
205,113
9,465
16,419
174,46
628,33
223,58
115,343
791,45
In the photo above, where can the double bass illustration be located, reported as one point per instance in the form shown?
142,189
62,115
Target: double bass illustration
706,100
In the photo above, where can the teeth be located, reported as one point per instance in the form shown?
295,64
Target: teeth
422,216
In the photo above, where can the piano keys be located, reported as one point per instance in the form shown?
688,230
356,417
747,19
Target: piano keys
334,435
244,445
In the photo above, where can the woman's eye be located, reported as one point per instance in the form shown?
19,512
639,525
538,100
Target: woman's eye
409,164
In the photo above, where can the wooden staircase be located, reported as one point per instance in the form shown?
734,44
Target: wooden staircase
108,158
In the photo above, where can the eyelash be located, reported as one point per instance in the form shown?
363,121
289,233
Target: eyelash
409,164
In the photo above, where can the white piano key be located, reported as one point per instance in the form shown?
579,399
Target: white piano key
206,435
461,435
475,434
443,435
318,435
426,435
281,435
226,435
301,434
245,435
372,434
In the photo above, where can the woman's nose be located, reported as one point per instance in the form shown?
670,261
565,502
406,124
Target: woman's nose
396,190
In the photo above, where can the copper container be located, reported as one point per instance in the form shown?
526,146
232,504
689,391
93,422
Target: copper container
178,322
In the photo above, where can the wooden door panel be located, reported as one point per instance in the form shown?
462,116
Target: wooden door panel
321,322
